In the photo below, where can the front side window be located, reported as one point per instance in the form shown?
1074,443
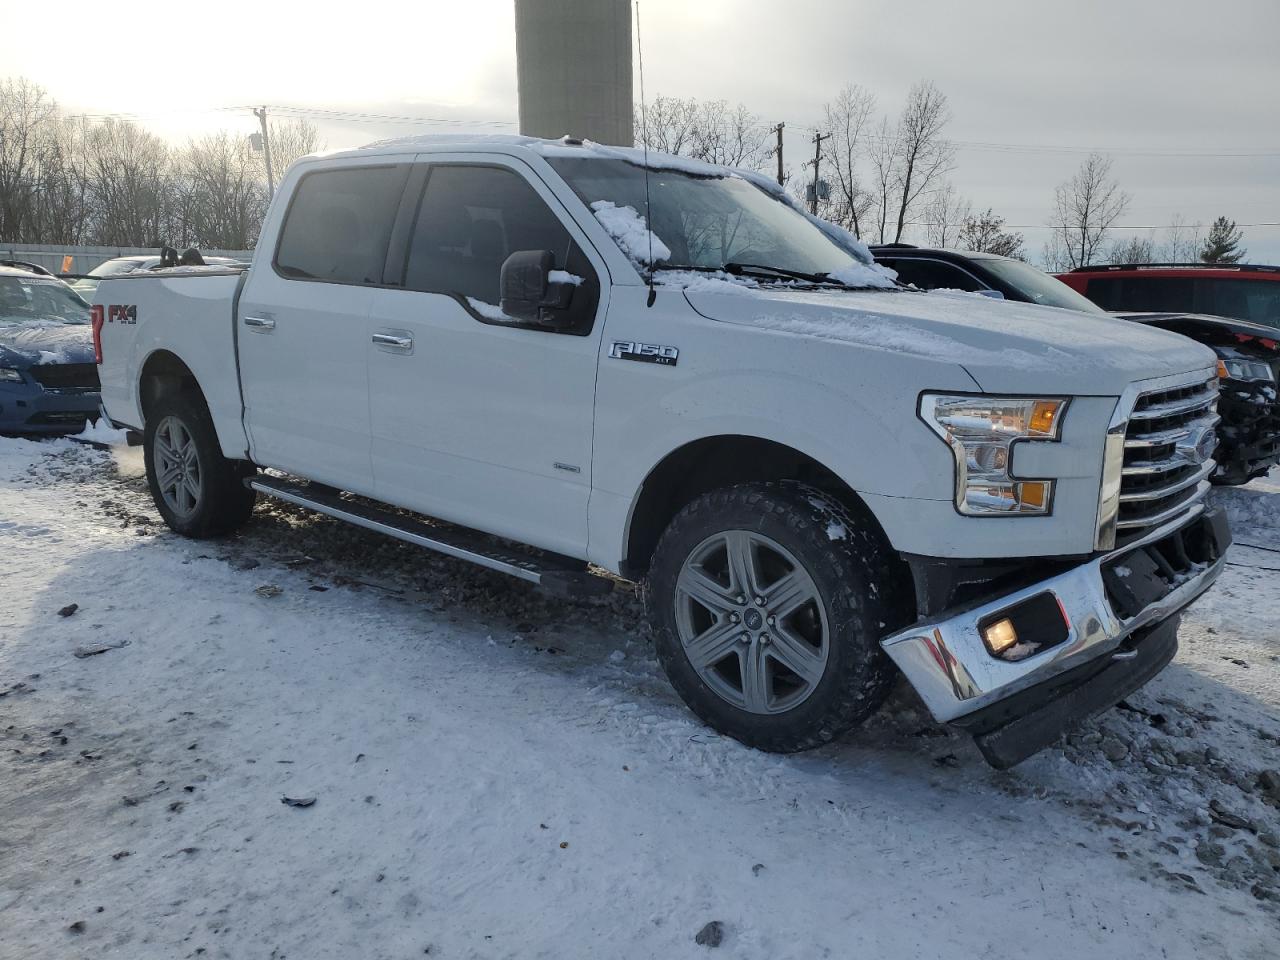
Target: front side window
932,274
470,219
339,223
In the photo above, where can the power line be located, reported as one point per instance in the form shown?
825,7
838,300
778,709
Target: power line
355,116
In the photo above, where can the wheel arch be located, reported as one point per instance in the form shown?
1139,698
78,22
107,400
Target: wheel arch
163,372
709,463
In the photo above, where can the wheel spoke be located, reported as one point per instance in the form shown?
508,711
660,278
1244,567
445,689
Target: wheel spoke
741,556
788,593
699,586
713,645
797,656
755,679
192,489
167,474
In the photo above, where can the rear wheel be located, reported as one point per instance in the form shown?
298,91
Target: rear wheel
199,492
768,602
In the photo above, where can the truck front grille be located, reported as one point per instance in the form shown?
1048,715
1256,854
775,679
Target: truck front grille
1168,447
66,377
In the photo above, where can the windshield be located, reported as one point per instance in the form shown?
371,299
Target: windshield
23,300
707,222
1038,287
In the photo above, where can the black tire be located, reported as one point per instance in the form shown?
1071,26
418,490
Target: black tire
224,502
860,584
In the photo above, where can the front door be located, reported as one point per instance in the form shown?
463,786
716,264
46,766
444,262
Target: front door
301,325
476,418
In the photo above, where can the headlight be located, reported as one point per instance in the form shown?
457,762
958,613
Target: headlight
1238,369
982,432
10,375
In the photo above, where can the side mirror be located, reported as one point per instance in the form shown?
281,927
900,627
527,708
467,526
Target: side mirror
528,292
993,294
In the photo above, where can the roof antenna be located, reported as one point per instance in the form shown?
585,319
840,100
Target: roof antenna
644,134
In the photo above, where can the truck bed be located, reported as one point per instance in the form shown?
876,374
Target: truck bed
151,319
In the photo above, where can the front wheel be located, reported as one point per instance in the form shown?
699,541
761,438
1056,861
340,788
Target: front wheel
768,602
199,492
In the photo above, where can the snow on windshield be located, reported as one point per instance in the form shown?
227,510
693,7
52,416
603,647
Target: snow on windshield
630,233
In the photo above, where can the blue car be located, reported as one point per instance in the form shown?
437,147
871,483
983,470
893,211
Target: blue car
48,378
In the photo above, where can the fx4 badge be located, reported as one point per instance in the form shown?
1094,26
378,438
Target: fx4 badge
117,313
644,352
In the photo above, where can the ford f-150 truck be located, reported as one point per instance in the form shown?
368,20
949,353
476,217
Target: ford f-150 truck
552,357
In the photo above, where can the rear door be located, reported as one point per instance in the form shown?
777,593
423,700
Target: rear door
476,418
301,324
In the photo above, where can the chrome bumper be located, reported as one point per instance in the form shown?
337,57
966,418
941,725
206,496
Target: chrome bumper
952,671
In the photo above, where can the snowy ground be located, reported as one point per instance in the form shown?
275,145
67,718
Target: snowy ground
498,774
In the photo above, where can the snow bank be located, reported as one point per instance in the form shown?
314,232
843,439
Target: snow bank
101,431
631,233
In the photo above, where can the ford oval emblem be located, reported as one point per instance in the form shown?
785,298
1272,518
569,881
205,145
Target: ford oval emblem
1198,445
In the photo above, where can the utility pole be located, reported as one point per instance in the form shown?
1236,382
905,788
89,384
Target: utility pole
266,151
778,152
817,159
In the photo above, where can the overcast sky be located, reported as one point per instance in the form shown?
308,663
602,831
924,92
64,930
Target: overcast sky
1159,84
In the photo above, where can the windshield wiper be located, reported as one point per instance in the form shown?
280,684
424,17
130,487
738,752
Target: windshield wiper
764,270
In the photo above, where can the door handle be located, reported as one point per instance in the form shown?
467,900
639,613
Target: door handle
261,322
392,340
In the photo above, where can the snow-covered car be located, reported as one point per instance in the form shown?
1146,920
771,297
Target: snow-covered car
86,285
48,379
670,371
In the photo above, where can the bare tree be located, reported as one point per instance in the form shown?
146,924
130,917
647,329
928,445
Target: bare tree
1183,242
846,118
290,140
922,157
25,112
881,154
1085,208
1133,250
223,192
985,233
709,130
945,215
130,183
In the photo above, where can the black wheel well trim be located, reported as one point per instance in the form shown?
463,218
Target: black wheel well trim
714,462
161,367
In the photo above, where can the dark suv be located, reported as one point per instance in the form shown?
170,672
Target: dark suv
1243,291
1248,353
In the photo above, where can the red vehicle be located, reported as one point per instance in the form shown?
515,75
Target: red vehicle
1243,291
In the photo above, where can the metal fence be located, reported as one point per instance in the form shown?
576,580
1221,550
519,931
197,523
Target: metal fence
85,258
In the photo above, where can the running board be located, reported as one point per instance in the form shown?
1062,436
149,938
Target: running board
560,576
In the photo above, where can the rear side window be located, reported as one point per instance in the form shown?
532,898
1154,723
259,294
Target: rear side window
933,274
339,223
470,219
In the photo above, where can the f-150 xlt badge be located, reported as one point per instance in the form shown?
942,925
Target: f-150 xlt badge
644,352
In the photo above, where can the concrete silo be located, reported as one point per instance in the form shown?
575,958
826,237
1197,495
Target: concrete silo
573,60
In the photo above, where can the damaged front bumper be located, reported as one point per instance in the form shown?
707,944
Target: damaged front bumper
1120,614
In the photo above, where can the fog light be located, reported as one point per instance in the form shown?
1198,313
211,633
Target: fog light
1000,636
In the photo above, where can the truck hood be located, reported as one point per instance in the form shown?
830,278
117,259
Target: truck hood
1006,347
36,342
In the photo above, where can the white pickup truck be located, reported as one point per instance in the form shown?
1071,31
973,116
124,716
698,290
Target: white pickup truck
552,357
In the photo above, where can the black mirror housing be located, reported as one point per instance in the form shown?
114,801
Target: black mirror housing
528,294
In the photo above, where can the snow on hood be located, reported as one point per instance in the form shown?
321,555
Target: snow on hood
1005,346
35,342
